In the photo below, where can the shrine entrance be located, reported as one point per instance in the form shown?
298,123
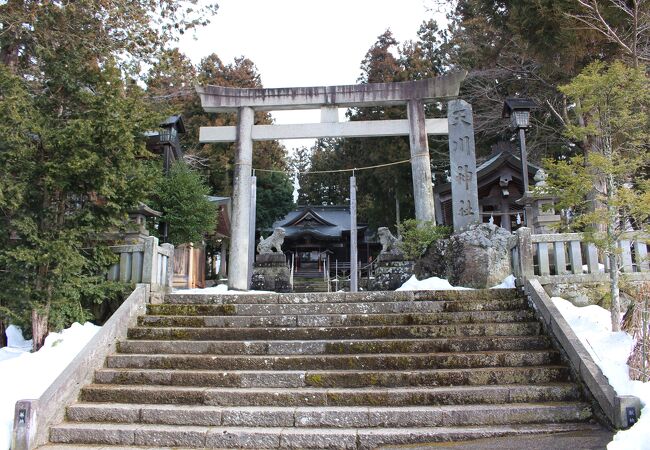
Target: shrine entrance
413,94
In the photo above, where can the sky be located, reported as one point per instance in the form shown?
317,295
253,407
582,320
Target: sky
305,42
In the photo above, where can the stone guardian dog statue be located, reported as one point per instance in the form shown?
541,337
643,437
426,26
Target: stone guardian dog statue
273,243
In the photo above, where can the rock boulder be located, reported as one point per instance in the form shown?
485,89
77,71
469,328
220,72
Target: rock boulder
477,258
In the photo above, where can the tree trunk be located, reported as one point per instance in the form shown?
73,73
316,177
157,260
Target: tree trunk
612,222
3,336
39,328
615,309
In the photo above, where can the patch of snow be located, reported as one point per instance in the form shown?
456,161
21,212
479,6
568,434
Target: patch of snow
507,283
221,289
610,351
15,338
27,375
601,268
16,344
429,284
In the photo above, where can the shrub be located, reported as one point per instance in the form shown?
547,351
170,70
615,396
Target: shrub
417,236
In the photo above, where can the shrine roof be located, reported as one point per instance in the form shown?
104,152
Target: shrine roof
323,222
493,165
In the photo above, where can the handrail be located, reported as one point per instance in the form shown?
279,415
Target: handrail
33,417
569,257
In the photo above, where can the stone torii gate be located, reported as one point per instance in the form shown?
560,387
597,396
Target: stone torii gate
413,94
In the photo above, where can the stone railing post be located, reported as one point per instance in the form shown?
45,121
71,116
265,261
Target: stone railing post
525,250
168,282
150,262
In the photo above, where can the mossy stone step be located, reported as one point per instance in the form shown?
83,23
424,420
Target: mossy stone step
332,378
197,309
166,436
338,320
471,295
330,416
342,346
411,396
359,332
402,361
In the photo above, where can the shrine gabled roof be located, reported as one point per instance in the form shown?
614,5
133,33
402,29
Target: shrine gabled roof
308,214
322,222
492,165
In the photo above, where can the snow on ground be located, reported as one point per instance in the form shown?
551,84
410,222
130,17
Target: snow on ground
26,375
440,284
507,283
219,289
428,284
592,325
16,344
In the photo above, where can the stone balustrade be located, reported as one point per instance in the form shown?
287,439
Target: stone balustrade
145,262
570,258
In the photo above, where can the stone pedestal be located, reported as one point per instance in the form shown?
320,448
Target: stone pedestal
392,271
271,273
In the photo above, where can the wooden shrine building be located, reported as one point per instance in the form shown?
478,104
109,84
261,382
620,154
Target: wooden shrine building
316,235
499,187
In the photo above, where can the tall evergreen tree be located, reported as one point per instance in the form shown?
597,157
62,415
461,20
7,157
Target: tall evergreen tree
72,143
182,196
613,114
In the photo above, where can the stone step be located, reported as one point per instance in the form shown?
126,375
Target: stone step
338,320
316,347
377,307
166,436
361,332
472,295
330,416
342,379
418,396
401,361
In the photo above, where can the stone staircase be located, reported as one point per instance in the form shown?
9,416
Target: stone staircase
353,371
304,284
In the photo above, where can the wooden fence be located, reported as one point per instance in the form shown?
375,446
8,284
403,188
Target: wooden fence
569,258
147,262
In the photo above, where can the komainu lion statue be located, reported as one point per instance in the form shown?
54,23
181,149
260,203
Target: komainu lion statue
389,243
273,243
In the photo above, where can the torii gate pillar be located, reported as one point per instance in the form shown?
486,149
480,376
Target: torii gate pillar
420,163
241,201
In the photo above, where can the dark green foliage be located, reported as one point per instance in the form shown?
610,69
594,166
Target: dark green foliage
274,198
181,197
65,177
418,236
72,146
